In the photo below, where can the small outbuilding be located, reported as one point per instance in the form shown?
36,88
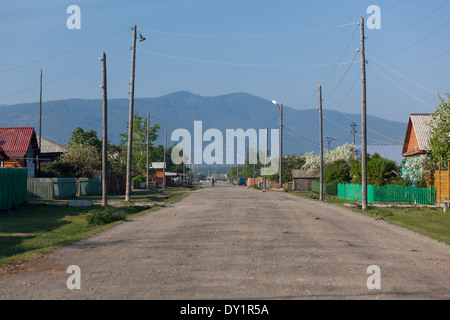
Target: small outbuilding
302,180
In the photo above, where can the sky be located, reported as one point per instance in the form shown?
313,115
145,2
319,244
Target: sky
280,50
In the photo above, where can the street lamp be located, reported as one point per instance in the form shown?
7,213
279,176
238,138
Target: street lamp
280,106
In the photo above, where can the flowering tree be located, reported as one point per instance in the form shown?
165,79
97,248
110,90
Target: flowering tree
344,153
440,133
412,170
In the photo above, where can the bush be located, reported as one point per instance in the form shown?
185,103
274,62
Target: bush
105,216
337,172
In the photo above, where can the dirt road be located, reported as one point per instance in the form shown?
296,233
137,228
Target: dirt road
228,242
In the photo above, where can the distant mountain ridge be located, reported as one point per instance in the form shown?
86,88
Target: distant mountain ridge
181,109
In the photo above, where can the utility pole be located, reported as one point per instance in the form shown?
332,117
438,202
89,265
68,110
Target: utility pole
105,135
265,156
353,132
321,142
40,125
164,161
281,145
330,139
130,118
254,165
148,128
363,120
237,158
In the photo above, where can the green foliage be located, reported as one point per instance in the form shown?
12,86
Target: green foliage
337,172
83,158
380,171
440,133
105,216
81,137
139,148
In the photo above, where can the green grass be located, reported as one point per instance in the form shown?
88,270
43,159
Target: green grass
429,221
35,228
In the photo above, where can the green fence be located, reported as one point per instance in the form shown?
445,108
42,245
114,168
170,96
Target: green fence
88,186
328,188
13,187
52,188
390,193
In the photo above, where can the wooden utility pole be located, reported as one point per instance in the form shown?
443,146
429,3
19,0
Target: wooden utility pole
40,125
130,118
281,145
353,126
321,142
148,147
105,135
164,164
363,120
265,160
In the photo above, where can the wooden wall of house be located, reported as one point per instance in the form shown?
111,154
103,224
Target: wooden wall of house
442,184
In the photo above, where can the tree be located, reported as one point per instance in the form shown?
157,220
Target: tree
380,171
79,136
139,150
337,172
345,152
83,158
290,162
440,133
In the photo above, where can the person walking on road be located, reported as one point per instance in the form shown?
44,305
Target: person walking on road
212,182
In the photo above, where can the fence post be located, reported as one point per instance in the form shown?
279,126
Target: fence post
445,205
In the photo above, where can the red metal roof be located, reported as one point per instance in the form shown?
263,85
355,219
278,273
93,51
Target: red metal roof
14,142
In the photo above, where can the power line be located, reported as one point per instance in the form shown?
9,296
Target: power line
342,56
392,7
403,76
54,81
425,61
403,89
60,53
300,135
347,116
245,64
247,36
420,20
419,41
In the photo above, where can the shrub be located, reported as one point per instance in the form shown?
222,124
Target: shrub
105,216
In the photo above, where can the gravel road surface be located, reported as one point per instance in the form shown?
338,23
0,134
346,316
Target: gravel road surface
228,242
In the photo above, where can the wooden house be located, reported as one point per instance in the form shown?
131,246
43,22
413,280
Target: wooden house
19,148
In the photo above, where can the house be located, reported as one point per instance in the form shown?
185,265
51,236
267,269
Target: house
19,148
417,139
50,151
302,180
417,143
159,168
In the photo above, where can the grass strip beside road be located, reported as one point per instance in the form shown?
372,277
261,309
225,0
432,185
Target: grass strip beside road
37,228
426,220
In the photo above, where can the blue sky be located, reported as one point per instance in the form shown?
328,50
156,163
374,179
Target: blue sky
272,49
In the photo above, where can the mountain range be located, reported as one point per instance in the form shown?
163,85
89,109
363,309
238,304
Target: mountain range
181,109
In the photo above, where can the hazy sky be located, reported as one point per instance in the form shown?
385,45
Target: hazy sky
272,49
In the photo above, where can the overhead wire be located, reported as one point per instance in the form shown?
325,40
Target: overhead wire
247,36
244,64
60,53
421,19
419,41
403,89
